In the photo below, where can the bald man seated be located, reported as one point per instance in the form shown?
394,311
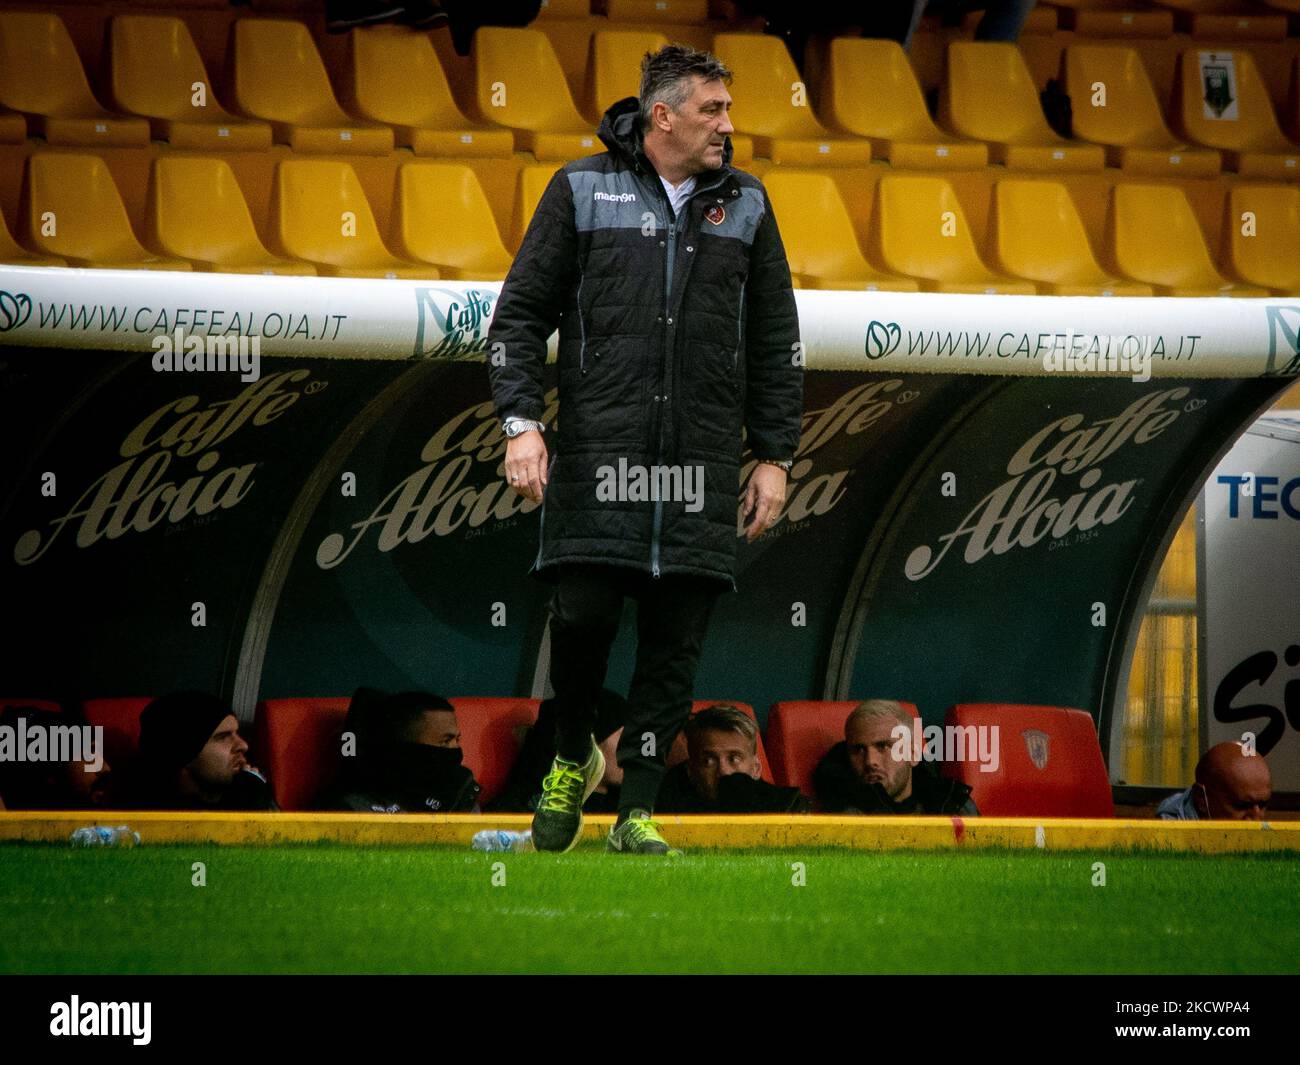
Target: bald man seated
1231,785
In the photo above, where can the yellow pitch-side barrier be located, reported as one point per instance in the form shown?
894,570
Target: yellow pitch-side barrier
699,832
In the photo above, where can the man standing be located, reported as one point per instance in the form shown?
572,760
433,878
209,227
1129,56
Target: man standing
664,270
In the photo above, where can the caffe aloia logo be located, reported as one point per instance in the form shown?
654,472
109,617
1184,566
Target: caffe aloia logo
1283,340
1024,510
882,339
14,310
136,495
461,484
436,499
452,323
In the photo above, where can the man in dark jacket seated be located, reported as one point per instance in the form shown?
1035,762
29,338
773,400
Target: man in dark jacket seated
192,757
864,774
405,757
722,773
76,776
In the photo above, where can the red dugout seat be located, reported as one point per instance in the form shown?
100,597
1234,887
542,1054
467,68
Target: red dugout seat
679,753
490,730
1050,762
297,743
800,732
40,704
120,719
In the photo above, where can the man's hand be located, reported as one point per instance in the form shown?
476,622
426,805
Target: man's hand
764,499
526,464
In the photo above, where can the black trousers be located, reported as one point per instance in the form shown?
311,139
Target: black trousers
672,616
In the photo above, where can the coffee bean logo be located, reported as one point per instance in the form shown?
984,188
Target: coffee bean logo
14,310
882,339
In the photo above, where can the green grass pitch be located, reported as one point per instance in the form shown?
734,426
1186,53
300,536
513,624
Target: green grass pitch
331,909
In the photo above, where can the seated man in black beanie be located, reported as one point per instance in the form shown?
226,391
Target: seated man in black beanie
193,758
406,758
523,790
722,773
78,780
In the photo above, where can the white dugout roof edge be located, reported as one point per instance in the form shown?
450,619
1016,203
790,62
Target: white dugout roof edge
319,317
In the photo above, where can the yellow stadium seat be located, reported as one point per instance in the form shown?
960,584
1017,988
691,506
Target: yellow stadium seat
689,11
75,211
818,235
918,229
1039,236
614,71
41,76
519,85
198,212
528,193
1155,239
874,93
442,217
771,105
279,78
565,9
1094,22
1203,5
989,95
319,213
1127,120
155,67
398,80
1225,105
1262,227
1241,27
13,128
13,254
1041,19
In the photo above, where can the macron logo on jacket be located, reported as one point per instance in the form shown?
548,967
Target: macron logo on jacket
617,197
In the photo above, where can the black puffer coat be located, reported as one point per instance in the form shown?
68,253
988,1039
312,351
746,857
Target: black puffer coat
647,379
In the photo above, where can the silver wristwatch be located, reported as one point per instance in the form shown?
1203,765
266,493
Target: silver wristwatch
512,427
787,465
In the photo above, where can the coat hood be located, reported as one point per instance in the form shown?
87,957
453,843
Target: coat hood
620,132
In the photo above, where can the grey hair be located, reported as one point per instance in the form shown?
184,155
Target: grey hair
877,709
666,77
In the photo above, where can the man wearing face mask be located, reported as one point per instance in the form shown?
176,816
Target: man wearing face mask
1230,785
722,773
407,757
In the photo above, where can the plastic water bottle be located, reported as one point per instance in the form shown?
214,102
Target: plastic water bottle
102,836
500,839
